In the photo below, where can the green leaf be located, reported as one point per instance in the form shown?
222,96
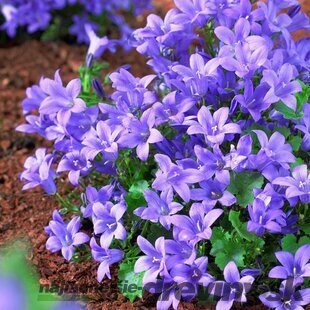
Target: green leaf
305,228
135,197
234,218
129,282
304,240
252,244
290,244
295,142
284,131
298,162
136,190
225,248
155,231
242,185
303,96
287,112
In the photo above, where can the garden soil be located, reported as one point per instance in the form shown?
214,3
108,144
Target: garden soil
23,215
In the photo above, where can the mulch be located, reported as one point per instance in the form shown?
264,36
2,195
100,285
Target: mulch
23,215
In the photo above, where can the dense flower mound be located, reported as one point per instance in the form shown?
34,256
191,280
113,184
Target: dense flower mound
57,17
193,178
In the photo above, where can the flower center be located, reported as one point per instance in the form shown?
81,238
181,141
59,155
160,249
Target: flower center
196,273
214,129
302,185
215,195
110,226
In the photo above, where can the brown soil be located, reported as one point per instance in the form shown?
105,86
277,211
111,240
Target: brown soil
24,214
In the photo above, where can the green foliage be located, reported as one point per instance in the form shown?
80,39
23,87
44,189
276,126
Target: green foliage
295,142
284,131
298,162
129,282
305,228
67,206
287,112
225,248
135,197
237,244
301,98
253,244
242,185
155,231
290,243
234,218
86,76
81,254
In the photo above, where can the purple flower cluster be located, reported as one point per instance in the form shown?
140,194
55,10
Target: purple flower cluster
219,129
38,15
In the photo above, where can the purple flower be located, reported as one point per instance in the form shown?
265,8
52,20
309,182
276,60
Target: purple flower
196,226
92,196
77,163
214,128
213,191
298,185
159,209
108,222
35,96
57,218
97,46
242,30
9,13
274,150
210,163
249,56
296,266
62,98
281,87
140,134
173,107
196,11
102,140
172,176
105,257
252,100
244,9
154,262
38,171
194,274
263,218
271,198
65,237
197,77
181,252
287,298
234,289
124,81
237,159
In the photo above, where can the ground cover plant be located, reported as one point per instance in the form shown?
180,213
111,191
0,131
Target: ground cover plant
61,18
193,179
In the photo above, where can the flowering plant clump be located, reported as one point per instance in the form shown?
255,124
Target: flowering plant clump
194,178
60,17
